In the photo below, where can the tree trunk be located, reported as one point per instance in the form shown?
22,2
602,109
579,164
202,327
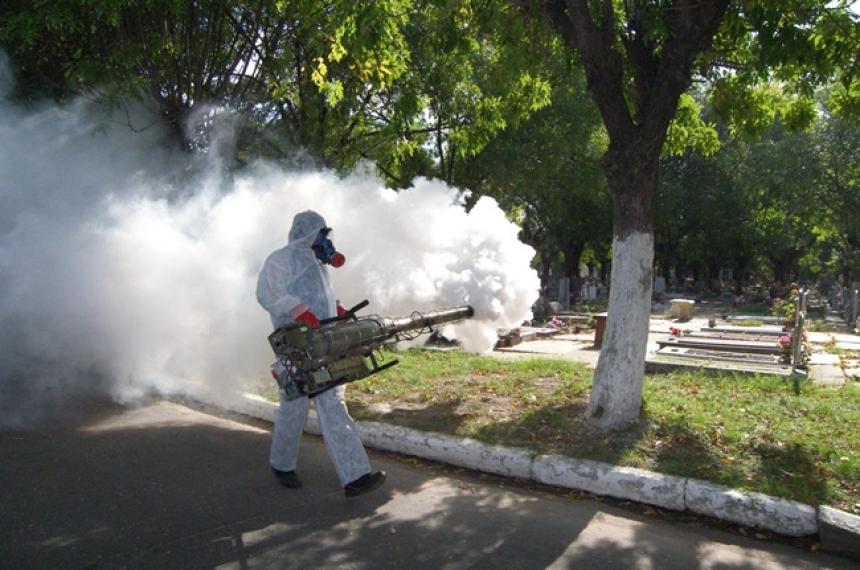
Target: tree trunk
637,99
572,255
712,270
740,270
780,270
616,395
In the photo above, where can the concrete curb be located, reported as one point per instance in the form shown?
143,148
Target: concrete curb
840,531
462,452
751,509
599,478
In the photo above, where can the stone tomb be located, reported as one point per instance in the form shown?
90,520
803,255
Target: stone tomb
724,348
682,309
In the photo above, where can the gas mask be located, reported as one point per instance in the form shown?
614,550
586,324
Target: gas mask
325,251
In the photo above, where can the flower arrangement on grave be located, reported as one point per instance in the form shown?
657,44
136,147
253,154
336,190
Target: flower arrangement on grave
561,325
785,342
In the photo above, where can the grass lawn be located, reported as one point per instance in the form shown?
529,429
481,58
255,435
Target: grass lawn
750,432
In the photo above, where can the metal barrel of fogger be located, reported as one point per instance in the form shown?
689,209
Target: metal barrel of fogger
352,338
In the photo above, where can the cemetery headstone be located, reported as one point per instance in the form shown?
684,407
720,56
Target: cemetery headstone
854,306
564,293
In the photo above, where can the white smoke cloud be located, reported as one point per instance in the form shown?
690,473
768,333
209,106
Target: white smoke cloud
120,273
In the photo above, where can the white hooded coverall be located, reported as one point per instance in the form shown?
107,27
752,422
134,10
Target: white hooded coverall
291,281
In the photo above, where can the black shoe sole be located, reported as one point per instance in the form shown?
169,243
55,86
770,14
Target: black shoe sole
376,483
290,482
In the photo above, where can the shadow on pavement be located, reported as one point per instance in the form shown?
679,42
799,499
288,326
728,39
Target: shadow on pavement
164,486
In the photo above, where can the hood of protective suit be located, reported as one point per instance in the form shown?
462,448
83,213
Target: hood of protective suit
306,226
292,278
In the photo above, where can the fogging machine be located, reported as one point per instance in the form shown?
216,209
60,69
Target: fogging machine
345,348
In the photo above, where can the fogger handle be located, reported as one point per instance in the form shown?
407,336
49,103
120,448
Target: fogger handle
350,314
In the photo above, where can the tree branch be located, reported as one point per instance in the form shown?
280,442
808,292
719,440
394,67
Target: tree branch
604,68
692,26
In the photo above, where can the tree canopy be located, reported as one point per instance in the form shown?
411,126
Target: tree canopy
640,58
714,95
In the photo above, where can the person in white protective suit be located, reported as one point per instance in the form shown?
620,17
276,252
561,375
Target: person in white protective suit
294,285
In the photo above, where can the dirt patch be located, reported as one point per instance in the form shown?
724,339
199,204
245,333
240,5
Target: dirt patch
387,407
497,407
490,405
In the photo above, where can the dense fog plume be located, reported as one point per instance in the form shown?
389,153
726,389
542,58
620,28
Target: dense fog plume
121,273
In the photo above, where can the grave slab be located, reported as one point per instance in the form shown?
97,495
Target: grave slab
664,363
826,375
546,346
824,358
691,341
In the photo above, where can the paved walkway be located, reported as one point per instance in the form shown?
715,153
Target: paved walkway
164,486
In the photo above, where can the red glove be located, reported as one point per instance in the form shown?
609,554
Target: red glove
341,310
309,319
337,259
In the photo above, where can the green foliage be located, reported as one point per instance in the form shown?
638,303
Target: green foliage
486,96
689,131
175,55
838,226
472,75
345,82
770,56
786,309
639,59
749,110
845,99
547,170
703,214
781,203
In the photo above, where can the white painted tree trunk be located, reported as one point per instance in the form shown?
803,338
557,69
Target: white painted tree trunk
616,394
